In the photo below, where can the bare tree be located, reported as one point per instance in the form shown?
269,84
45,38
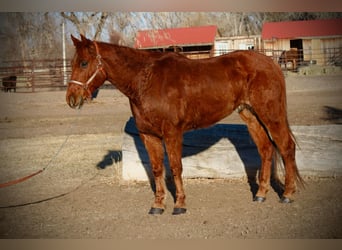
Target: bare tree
87,23
121,27
229,23
30,35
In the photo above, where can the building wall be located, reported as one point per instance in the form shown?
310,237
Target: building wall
224,45
197,55
321,50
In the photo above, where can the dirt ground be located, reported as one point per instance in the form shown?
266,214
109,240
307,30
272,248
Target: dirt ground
75,198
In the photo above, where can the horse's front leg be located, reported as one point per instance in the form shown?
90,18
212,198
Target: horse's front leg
173,142
155,150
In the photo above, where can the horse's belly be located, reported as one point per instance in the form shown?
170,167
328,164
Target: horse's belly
208,118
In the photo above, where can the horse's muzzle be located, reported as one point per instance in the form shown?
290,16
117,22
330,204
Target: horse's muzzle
75,101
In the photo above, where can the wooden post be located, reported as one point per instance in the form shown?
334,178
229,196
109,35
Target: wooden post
32,75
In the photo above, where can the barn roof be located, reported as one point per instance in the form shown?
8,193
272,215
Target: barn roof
163,38
301,29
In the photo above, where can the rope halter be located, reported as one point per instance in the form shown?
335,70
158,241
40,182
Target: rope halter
98,69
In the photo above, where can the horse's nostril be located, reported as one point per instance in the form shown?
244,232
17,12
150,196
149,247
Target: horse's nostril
71,100
80,102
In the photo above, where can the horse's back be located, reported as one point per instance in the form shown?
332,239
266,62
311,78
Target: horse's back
247,60
232,72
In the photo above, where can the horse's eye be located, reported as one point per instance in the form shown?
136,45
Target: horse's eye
84,64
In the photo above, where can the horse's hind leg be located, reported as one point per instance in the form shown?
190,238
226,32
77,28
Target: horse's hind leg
283,138
265,149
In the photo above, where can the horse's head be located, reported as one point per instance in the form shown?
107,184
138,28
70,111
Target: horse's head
87,72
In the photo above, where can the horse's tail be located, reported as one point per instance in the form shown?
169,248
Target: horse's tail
278,165
299,180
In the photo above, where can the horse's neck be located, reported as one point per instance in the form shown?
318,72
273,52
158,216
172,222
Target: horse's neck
123,65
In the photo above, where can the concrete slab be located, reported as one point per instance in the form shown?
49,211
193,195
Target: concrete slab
227,150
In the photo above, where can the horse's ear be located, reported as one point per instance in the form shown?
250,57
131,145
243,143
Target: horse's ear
85,40
75,40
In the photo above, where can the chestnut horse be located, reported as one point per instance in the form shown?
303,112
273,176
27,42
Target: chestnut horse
170,94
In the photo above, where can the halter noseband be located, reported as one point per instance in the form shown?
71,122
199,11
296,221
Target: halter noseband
98,69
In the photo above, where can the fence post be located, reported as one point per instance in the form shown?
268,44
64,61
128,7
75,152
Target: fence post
32,75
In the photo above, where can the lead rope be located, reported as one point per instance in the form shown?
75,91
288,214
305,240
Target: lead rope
22,179
19,180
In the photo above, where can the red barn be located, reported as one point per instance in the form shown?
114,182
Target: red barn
194,42
316,40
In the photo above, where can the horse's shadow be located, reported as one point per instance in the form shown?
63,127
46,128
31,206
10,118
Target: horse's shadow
332,114
237,134
113,156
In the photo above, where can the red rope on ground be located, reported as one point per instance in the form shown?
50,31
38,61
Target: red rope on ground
13,182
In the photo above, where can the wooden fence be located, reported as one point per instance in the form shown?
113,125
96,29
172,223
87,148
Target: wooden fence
301,58
37,75
47,75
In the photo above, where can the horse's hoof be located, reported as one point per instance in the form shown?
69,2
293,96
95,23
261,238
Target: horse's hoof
179,210
285,200
259,199
156,210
